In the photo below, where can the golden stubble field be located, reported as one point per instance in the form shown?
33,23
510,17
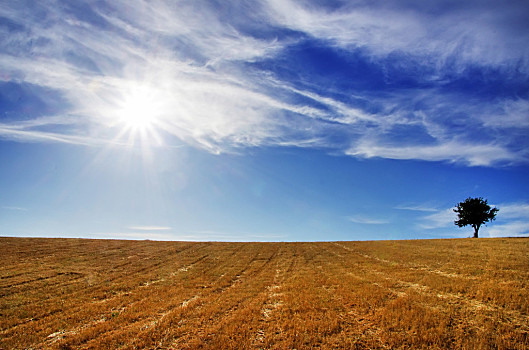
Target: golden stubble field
110,294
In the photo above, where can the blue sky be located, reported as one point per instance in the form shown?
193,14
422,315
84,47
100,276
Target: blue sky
262,120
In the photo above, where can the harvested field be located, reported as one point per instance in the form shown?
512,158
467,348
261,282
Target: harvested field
109,294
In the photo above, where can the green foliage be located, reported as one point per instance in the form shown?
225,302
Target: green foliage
474,212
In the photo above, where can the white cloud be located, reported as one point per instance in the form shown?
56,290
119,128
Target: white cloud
514,210
14,208
509,229
194,62
511,220
138,235
442,218
202,106
362,219
509,114
475,33
21,132
150,228
452,151
418,207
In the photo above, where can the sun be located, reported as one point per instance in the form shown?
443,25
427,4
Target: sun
139,109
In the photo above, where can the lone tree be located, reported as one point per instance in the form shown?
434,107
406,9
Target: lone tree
474,212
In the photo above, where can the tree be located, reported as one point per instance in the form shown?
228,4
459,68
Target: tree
474,212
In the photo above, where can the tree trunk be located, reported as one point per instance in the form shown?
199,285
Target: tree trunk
476,229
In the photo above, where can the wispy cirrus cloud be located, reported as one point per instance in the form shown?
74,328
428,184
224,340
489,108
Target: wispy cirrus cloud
420,84
416,207
139,235
25,133
367,220
440,219
150,228
14,208
440,32
473,154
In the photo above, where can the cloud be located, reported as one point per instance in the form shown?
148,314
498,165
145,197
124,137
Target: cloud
508,114
469,32
473,154
510,229
420,84
512,220
442,218
139,235
14,208
25,133
150,228
514,210
418,207
362,219
121,58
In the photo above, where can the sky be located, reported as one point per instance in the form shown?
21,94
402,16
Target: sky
272,120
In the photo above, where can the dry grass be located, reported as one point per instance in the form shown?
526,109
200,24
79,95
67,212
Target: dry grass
70,294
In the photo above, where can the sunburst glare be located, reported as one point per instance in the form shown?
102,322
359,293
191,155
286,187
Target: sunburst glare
139,112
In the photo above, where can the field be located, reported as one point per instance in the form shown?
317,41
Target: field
108,294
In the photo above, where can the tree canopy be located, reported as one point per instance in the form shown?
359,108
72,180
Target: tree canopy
474,212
